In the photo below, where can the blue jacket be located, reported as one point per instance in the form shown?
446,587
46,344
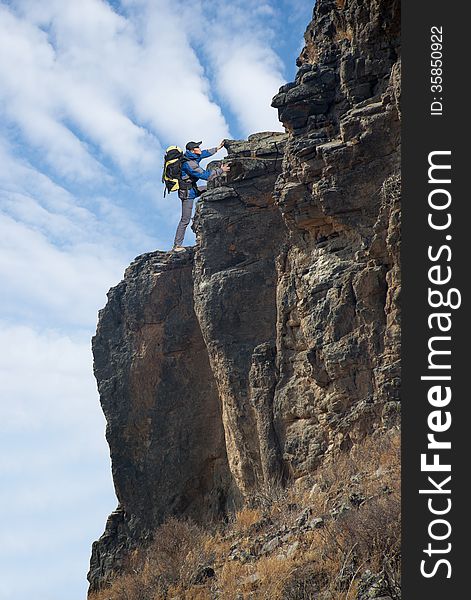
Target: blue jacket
191,168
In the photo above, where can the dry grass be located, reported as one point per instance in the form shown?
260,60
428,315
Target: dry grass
274,571
235,580
361,493
245,518
171,565
356,494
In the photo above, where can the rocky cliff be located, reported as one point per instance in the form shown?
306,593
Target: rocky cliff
275,341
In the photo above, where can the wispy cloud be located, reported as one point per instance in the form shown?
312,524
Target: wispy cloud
56,489
65,287
236,37
57,256
87,85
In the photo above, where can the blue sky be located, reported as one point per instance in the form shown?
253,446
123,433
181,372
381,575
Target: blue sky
91,92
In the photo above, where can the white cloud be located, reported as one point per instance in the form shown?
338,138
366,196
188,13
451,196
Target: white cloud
65,286
76,76
35,199
58,255
298,11
245,70
58,381
29,92
247,85
56,486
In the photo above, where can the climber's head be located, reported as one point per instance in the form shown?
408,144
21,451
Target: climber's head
194,147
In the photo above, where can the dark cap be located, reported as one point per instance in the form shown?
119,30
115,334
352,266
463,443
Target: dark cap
193,145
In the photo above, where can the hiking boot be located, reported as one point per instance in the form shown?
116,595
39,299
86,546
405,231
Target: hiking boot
178,249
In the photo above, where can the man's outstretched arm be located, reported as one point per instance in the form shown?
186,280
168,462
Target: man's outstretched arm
211,151
208,152
200,173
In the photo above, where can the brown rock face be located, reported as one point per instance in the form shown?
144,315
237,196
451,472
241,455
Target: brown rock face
240,232
276,340
161,403
338,282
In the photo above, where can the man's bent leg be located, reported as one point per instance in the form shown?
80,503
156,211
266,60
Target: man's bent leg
187,208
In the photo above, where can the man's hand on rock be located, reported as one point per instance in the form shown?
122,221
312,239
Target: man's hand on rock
221,145
225,168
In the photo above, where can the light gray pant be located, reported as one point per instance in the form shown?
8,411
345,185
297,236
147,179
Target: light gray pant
187,209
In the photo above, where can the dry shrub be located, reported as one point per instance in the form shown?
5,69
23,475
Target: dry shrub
303,583
277,502
309,55
193,593
375,528
364,538
178,550
269,495
356,493
373,465
142,586
175,559
264,580
234,580
273,572
364,534
245,518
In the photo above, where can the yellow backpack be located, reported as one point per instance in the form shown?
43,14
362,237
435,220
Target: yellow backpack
172,172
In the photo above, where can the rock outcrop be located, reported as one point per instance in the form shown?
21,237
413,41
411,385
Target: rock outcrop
240,231
161,403
275,341
338,281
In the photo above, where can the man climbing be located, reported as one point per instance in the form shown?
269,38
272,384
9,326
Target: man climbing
191,172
